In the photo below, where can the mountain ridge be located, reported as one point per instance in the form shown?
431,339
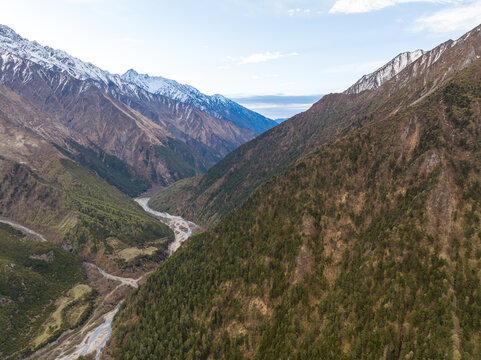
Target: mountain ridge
375,79
53,59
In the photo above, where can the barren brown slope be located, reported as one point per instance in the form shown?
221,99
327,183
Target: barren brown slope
212,137
69,109
170,142
208,197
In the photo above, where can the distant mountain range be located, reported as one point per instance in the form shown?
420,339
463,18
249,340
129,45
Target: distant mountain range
278,106
216,105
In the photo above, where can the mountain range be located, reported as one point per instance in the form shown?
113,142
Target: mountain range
216,105
76,143
159,138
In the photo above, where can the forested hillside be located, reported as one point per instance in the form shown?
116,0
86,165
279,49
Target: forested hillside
368,248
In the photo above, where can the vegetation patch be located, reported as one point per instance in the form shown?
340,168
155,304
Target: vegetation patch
109,167
30,288
77,208
131,253
69,311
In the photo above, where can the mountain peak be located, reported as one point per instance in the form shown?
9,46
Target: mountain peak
17,47
464,49
130,72
6,32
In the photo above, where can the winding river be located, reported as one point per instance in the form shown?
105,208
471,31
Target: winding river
94,339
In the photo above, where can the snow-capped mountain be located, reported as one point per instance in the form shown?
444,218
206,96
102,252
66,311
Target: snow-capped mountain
89,105
215,105
13,46
385,73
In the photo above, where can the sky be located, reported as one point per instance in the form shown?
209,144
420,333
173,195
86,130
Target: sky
274,56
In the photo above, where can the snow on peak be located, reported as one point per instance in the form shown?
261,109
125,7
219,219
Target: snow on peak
14,46
16,49
162,86
8,33
385,73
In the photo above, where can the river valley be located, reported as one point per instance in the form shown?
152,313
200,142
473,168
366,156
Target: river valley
94,334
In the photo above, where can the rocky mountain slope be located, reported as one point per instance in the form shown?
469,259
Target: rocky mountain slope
73,207
368,247
216,105
160,139
207,198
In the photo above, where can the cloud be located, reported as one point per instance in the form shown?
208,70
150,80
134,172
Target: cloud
263,57
363,6
461,17
263,77
298,11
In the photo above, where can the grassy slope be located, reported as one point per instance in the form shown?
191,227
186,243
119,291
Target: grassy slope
30,287
369,248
